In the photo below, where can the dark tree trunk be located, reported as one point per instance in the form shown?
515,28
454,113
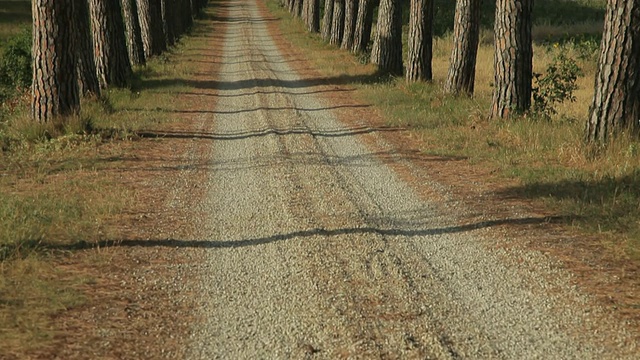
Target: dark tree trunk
420,41
387,46
168,25
466,32
85,62
350,16
186,18
297,8
337,23
364,21
112,59
513,57
55,85
179,27
134,34
195,8
616,100
313,16
327,19
158,40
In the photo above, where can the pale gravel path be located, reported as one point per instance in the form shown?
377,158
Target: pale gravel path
317,249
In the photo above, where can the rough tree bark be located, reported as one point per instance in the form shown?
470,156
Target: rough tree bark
420,41
513,57
616,100
112,58
350,16
364,22
85,62
146,33
337,23
297,8
466,32
327,19
387,46
305,12
292,6
134,33
313,16
55,86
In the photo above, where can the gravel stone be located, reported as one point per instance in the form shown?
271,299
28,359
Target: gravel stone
315,248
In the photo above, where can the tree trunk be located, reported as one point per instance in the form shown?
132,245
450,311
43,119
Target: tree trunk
305,12
168,16
350,16
513,57
387,46
297,8
112,59
144,17
158,40
616,100
364,21
55,85
466,32
134,33
150,16
177,19
186,19
420,41
313,16
327,19
195,8
85,62
337,23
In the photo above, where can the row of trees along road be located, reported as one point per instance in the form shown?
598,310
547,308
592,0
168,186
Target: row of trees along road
616,101
82,47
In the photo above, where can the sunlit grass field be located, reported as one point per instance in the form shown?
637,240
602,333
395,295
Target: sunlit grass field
596,189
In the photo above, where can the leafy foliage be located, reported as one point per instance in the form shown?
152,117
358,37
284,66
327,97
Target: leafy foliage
556,86
15,63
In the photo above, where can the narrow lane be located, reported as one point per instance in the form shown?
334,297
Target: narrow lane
316,248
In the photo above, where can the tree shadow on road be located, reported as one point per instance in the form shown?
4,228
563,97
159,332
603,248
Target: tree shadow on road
252,110
241,135
302,234
265,82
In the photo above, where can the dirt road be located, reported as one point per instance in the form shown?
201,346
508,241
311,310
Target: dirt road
316,247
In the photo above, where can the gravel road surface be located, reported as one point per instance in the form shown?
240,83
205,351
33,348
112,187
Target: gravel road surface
315,248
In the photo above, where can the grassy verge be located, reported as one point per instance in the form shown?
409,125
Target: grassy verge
596,189
60,191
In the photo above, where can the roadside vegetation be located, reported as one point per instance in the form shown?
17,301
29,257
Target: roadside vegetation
595,188
58,192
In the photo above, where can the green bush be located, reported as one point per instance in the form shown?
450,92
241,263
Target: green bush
15,62
556,86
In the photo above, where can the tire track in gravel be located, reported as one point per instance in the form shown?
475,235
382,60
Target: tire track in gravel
317,248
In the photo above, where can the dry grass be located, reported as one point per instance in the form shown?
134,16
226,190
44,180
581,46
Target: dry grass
59,194
596,189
